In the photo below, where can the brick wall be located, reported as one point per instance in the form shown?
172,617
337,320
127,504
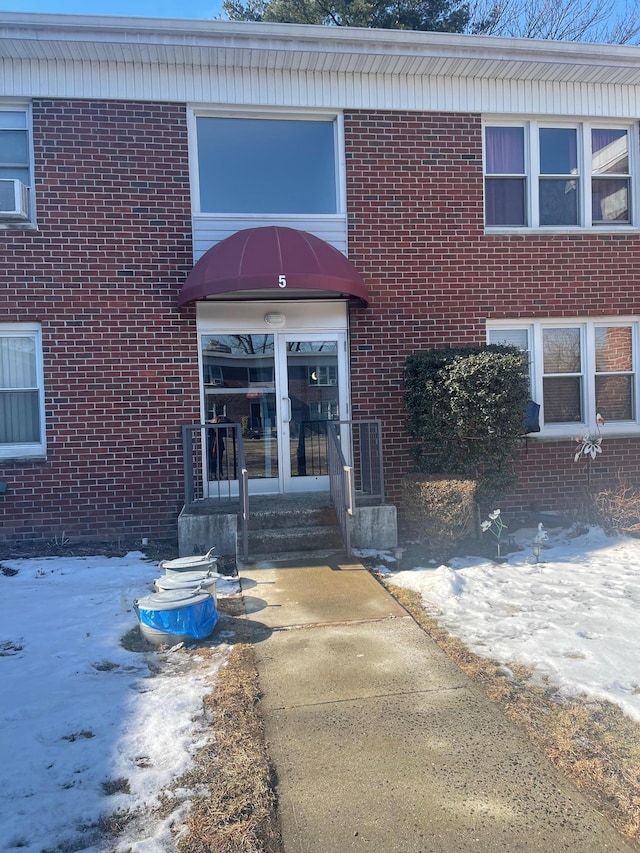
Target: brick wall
414,193
101,275
113,246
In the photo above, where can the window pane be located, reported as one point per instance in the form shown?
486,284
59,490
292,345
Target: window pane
504,148
266,166
613,349
558,202
13,147
511,337
505,201
610,200
562,399
561,351
17,362
614,397
20,174
558,151
15,119
609,152
19,417
312,367
238,379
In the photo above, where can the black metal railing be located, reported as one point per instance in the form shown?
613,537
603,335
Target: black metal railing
350,452
215,467
368,469
361,480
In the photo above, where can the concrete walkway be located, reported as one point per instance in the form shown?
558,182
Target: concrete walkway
380,743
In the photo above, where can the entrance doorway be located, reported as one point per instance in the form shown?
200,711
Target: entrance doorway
282,385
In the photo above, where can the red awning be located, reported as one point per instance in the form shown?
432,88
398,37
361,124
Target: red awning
278,262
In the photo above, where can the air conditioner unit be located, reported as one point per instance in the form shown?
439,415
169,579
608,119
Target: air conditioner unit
14,199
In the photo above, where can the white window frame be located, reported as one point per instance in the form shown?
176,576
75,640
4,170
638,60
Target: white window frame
326,376
276,115
584,173
34,449
7,224
324,410
587,326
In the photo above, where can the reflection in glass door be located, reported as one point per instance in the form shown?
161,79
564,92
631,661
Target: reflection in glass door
312,386
282,389
239,387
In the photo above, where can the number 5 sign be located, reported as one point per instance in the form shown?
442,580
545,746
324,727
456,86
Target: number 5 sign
282,281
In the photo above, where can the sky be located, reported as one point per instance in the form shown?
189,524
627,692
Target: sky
78,711
198,9
136,8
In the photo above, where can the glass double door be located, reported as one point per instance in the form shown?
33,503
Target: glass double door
282,388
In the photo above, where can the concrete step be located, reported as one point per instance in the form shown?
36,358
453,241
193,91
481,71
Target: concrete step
301,516
299,538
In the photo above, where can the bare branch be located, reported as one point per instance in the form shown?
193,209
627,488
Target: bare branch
558,20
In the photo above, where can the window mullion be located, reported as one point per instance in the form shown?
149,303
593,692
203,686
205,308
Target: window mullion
584,174
633,176
533,171
538,366
634,367
589,345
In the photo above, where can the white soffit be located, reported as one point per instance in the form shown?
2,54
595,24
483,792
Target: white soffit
291,47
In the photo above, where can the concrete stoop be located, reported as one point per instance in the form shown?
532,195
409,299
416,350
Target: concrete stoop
293,531
282,524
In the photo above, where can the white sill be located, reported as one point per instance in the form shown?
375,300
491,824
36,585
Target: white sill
571,435
17,225
22,456
591,231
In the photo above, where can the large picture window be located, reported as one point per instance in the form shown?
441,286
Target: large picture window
578,370
21,391
266,166
539,175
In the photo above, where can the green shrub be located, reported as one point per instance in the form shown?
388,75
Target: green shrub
466,413
439,511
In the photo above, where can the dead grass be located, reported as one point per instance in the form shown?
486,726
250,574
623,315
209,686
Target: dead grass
234,807
593,743
237,811
618,509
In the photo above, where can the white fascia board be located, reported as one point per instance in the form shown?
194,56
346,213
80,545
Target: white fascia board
314,48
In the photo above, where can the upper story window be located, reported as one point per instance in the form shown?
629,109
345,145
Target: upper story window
323,374
578,370
541,175
266,165
21,391
15,166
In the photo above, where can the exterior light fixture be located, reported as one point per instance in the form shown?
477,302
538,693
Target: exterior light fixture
275,319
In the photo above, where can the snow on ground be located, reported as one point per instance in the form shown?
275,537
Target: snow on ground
78,711
573,617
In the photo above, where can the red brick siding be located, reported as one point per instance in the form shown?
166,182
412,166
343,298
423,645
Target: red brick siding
101,275
113,246
415,201
550,479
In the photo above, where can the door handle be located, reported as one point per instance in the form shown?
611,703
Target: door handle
287,402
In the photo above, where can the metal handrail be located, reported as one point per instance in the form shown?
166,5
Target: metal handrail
364,439
359,480
340,484
243,494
